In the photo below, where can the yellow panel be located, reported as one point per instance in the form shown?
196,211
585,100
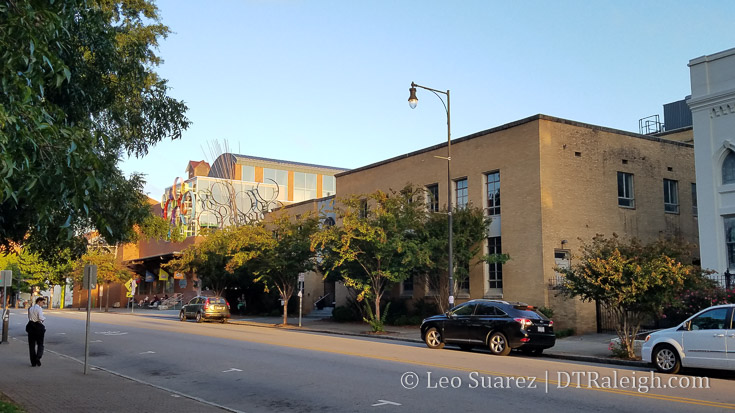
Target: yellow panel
319,186
290,185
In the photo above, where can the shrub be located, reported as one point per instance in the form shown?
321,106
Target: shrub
547,311
564,333
344,314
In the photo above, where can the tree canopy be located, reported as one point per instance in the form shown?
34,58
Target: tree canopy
78,93
631,279
378,242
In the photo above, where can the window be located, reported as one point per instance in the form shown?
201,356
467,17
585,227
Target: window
463,286
461,193
329,185
495,273
304,186
728,169
730,241
487,310
280,177
671,196
408,287
716,319
625,190
432,197
248,173
694,200
465,309
493,193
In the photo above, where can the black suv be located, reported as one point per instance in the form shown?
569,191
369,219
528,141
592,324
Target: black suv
499,325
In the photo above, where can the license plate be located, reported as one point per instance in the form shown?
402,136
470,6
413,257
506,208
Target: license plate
541,329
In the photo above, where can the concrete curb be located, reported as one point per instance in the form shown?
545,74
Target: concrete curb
560,356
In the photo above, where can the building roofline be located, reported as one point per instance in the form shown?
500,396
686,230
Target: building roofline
672,131
281,161
513,125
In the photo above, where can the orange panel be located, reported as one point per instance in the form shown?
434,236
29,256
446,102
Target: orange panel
319,186
290,185
237,176
258,174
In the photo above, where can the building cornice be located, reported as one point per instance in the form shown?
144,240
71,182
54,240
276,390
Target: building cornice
513,125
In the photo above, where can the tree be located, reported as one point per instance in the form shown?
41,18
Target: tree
78,92
47,273
631,279
469,230
209,259
109,269
277,261
378,243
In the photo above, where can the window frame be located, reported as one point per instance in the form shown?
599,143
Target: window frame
492,193
464,195
432,197
626,190
671,196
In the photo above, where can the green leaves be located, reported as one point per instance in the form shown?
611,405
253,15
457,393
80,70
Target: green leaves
78,90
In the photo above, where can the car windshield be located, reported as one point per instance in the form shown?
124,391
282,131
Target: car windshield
217,300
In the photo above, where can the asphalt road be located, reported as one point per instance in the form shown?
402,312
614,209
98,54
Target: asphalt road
257,369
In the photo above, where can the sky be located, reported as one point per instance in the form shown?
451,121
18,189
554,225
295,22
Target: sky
326,82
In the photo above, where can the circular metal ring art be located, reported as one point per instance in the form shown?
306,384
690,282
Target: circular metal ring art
217,203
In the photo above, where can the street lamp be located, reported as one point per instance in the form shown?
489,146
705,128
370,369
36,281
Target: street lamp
412,102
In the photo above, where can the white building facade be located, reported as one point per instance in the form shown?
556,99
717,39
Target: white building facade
713,113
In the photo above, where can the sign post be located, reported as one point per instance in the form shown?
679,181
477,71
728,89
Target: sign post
6,278
89,283
301,296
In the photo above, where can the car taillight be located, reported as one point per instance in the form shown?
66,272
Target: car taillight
551,323
648,337
228,304
206,304
524,322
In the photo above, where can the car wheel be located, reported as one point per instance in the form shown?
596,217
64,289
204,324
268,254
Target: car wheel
182,315
465,347
498,344
199,318
223,321
666,359
434,338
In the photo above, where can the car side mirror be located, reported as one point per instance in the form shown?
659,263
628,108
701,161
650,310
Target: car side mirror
685,327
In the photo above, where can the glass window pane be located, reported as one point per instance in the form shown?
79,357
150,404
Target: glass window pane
728,169
248,173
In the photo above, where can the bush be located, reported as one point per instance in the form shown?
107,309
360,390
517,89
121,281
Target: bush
547,311
344,314
564,333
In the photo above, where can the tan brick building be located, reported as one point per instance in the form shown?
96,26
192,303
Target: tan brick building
561,181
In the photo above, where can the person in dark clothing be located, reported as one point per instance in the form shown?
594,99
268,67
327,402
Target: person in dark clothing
36,330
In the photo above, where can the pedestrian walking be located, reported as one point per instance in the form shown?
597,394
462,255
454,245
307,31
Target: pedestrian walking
36,330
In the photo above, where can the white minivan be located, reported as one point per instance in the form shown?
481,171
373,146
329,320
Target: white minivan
704,340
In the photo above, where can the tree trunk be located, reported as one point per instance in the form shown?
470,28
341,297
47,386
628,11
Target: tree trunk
377,307
107,300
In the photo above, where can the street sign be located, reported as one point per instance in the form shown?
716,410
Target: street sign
301,277
89,281
6,278
128,295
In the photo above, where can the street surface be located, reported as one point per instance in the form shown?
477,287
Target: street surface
258,369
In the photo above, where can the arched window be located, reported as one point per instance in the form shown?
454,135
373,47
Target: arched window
728,169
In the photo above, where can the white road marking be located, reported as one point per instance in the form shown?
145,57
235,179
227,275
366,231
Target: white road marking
96,341
61,334
111,333
232,369
148,352
384,402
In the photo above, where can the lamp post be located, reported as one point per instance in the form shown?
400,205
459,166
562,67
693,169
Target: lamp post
412,102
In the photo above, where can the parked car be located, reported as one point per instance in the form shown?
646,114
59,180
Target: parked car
498,325
704,340
203,308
